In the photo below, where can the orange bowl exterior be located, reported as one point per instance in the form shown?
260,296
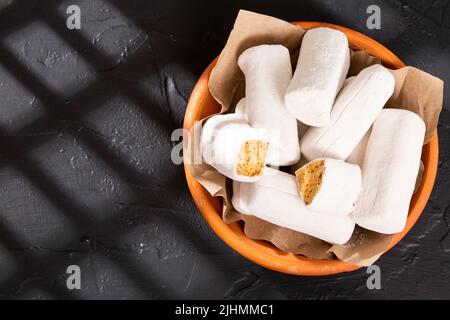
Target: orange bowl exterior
201,104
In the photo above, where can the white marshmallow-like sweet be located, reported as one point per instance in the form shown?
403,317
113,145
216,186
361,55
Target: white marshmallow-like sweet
267,70
389,171
233,148
347,81
275,198
354,111
322,66
357,155
329,186
240,108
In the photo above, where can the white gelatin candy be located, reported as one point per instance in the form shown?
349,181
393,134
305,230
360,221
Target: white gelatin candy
322,66
355,109
233,148
240,108
275,198
389,171
329,186
267,70
357,155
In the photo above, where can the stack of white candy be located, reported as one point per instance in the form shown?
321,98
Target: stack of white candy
363,159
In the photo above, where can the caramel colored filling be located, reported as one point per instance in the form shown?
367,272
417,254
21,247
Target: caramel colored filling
251,158
309,179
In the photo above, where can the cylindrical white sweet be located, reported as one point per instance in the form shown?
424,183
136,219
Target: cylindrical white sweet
329,186
228,142
275,198
389,171
357,155
267,70
240,108
322,65
347,81
354,111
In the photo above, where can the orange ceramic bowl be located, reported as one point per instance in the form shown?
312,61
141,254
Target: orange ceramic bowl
201,104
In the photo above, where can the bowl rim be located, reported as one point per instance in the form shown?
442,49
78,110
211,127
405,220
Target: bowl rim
263,253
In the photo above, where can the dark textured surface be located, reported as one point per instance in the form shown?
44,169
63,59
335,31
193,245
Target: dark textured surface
85,137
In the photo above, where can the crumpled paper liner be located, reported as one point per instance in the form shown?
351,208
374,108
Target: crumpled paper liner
415,90
419,92
250,29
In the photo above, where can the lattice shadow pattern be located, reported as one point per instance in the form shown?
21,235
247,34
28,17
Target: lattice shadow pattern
57,112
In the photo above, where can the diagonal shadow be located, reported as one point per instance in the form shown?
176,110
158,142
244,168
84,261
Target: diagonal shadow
49,99
15,247
60,114
77,214
58,111
17,152
15,12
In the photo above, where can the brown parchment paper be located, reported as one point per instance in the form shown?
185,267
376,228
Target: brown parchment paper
415,90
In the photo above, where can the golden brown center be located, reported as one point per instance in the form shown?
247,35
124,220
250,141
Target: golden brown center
309,179
251,158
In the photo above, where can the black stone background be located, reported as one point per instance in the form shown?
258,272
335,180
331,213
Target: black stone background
85,173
